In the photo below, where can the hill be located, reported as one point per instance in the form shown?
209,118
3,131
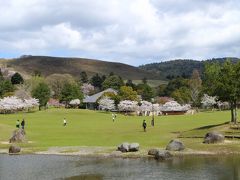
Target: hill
180,67
50,65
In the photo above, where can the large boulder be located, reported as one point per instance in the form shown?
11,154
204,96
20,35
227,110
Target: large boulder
213,137
133,147
175,145
14,149
18,136
153,152
124,147
163,155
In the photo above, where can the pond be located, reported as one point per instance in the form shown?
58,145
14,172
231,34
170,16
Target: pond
48,167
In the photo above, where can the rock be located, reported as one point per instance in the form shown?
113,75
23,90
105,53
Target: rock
175,145
163,155
124,147
153,152
213,137
18,136
14,149
133,147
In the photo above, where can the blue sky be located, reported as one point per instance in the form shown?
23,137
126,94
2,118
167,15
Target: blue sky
129,31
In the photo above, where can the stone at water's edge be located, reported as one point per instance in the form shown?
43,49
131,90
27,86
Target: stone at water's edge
153,152
14,149
133,147
213,137
126,147
175,145
163,155
18,136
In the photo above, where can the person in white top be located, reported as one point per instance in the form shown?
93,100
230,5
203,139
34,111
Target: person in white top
64,122
113,117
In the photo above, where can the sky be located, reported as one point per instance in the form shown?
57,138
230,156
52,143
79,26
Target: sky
128,31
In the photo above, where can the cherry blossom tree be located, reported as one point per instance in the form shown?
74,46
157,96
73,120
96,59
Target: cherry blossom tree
174,106
13,104
87,88
105,103
75,102
146,107
128,106
208,101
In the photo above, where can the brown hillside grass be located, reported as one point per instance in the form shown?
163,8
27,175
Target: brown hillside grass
51,65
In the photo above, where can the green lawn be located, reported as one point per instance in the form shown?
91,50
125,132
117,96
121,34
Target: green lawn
94,128
151,82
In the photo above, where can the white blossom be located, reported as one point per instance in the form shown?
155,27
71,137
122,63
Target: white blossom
105,103
75,102
174,106
128,106
208,101
156,107
87,88
14,104
32,102
145,106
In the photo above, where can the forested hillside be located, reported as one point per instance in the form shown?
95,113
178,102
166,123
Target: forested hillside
180,67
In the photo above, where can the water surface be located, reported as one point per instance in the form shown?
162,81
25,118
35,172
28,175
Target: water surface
48,167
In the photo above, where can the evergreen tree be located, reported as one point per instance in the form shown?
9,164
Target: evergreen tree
145,91
130,84
84,77
17,79
97,81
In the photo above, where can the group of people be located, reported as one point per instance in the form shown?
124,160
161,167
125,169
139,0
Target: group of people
22,124
144,124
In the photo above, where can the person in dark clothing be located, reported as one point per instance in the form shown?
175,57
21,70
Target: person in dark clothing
23,124
144,125
17,124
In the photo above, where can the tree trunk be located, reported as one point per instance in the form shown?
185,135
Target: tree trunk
235,112
232,112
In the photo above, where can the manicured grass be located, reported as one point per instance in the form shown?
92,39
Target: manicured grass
151,82
94,128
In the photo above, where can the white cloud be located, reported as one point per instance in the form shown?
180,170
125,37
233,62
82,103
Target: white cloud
134,32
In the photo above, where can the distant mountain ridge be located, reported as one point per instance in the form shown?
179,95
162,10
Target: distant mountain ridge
180,67
50,65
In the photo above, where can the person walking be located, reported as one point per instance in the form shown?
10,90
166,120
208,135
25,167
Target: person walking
23,124
113,117
17,124
152,122
64,122
144,124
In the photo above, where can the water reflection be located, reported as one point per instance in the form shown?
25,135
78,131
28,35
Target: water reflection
40,167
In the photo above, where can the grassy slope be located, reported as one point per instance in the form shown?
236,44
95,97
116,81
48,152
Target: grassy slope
151,82
89,128
73,66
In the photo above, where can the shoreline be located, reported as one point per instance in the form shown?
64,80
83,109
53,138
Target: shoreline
110,152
